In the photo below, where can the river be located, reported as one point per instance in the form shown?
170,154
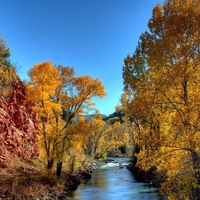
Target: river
114,181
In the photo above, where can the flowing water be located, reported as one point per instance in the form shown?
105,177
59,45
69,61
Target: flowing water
114,181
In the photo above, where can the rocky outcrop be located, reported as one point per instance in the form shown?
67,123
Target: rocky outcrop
18,126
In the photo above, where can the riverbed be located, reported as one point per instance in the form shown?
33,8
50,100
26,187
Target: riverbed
113,181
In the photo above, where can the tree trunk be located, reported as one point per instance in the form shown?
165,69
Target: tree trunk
196,165
59,168
50,164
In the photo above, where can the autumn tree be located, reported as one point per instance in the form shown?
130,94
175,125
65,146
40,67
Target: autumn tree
75,156
44,80
162,82
106,136
96,144
77,94
61,97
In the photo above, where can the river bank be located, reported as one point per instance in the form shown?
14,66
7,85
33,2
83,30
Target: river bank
151,176
30,183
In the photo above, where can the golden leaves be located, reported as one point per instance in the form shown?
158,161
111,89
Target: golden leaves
165,103
60,98
89,87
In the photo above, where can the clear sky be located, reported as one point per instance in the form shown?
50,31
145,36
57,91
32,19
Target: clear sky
93,36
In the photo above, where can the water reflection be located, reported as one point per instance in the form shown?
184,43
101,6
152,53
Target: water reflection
114,183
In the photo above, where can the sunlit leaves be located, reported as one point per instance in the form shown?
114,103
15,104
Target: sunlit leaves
44,81
61,97
41,89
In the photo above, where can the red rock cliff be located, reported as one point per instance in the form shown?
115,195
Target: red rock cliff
18,126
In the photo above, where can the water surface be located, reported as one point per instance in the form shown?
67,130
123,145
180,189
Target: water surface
114,182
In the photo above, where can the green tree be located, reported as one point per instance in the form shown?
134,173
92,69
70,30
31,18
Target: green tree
8,74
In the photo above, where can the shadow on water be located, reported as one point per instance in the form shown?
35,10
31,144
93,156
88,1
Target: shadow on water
114,182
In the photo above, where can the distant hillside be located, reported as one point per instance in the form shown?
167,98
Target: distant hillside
115,114
88,117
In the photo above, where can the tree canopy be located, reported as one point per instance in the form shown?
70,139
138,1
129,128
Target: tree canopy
161,80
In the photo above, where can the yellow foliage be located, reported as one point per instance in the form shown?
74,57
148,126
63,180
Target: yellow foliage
162,77
60,98
40,89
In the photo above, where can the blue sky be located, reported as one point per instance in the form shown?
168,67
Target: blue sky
93,36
